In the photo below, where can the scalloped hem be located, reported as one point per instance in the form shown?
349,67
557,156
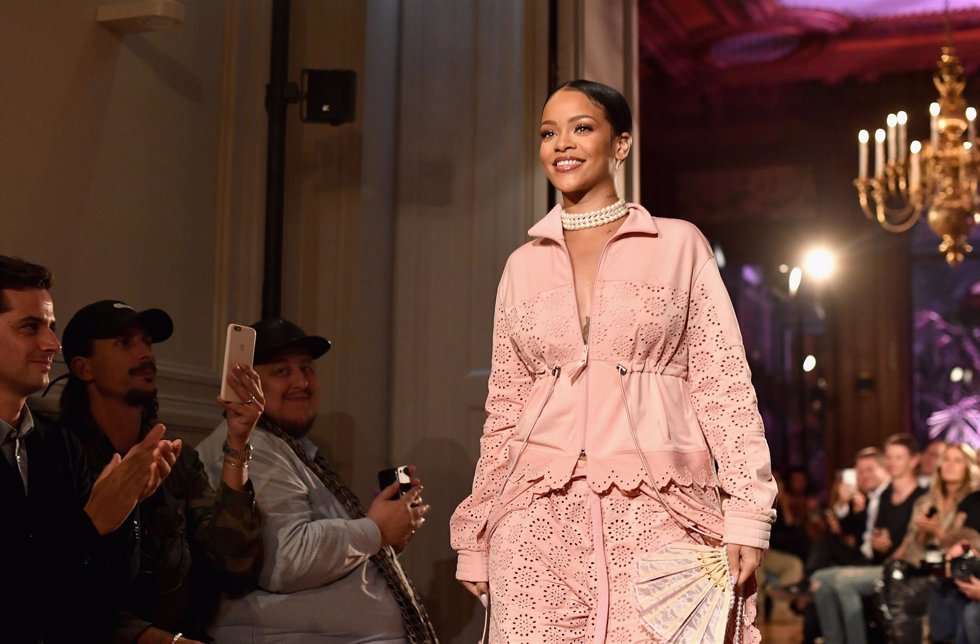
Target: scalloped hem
625,472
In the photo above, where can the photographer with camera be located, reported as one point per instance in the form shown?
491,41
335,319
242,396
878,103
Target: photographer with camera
954,603
918,563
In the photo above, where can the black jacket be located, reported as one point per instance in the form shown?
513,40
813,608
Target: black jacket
59,574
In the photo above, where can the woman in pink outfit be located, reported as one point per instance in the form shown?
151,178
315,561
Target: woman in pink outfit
616,359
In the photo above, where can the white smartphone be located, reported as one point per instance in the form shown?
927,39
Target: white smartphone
849,477
239,348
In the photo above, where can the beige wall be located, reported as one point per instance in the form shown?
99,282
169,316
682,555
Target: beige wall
116,173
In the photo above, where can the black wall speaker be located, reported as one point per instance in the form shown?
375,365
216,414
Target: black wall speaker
328,96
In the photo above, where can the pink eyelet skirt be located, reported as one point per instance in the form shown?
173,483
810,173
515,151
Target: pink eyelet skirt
562,565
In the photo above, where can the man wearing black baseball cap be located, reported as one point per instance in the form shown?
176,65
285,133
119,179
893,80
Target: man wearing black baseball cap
110,401
326,545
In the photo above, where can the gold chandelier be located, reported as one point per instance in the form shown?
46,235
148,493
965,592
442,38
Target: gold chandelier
938,176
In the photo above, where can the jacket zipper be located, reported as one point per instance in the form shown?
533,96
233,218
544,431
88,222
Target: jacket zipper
598,270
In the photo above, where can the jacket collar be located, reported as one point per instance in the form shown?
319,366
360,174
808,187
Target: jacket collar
638,221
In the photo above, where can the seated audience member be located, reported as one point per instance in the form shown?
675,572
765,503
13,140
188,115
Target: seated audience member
839,591
851,515
908,577
798,510
848,520
954,602
929,462
330,572
192,540
63,545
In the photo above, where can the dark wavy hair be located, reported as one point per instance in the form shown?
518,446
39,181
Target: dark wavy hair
613,104
73,406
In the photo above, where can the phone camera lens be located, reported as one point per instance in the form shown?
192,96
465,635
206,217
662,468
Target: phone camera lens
238,328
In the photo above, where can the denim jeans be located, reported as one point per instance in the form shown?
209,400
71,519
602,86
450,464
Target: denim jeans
953,617
838,595
969,631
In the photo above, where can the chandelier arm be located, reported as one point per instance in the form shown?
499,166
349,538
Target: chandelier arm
910,214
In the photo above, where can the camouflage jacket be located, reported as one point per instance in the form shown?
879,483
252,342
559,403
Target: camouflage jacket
194,543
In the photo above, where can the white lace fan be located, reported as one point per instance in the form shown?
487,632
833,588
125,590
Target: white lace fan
684,593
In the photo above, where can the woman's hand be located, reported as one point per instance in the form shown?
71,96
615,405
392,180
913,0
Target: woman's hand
927,525
479,589
743,561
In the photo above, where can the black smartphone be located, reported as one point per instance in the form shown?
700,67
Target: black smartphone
392,474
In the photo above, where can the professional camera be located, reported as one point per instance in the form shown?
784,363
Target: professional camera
965,566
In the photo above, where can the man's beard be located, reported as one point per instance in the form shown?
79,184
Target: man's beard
140,397
296,430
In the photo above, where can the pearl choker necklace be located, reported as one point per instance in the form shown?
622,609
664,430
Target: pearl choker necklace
581,220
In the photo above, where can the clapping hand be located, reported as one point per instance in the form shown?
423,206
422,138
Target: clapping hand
125,481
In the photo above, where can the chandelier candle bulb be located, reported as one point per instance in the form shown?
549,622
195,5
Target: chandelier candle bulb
891,122
934,125
971,119
903,120
879,153
914,170
863,154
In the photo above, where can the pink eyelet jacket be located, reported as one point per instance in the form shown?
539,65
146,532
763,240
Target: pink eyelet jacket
664,370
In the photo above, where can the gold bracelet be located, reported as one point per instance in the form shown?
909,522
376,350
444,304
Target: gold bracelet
239,464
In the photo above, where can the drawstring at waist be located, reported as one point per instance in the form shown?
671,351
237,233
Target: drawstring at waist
555,372
646,465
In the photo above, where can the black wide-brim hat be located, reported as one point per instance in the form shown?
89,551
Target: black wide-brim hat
109,319
273,335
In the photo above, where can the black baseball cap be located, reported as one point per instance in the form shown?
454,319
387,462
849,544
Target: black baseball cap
272,335
107,319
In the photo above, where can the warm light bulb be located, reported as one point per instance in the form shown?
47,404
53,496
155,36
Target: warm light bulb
720,256
903,118
863,136
971,113
915,147
891,121
967,145
880,135
819,263
934,109
809,363
795,277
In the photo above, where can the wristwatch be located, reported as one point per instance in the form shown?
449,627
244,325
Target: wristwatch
243,455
